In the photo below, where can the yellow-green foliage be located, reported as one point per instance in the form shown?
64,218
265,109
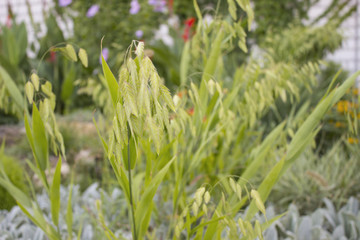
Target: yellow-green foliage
16,175
300,43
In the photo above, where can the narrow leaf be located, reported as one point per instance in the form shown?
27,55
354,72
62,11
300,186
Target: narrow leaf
110,80
55,193
40,140
12,88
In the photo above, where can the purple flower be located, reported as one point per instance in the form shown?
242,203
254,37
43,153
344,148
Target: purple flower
64,3
139,33
134,7
105,53
159,5
93,10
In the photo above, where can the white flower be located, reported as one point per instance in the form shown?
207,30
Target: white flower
176,100
173,21
208,19
163,35
65,168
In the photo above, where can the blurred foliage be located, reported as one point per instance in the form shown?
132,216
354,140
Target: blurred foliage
332,175
275,16
16,174
14,64
114,22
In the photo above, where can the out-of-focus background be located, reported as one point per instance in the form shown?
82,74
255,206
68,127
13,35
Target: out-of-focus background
347,54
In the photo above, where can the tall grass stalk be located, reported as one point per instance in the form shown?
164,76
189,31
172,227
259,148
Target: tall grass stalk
130,188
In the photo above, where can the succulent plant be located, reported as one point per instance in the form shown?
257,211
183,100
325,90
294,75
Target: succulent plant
15,225
323,224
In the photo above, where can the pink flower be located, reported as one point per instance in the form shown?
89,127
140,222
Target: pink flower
134,7
159,5
64,3
93,10
139,33
105,53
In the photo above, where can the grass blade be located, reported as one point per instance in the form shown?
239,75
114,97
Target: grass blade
110,80
12,88
40,141
55,193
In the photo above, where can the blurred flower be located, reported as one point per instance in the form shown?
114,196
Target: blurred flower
190,111
64,3
93,10
188,24
52,57
343,106
339,124
173,21
182,93
176,100
159,5
353,140
139,33
134,7
171,5
208,19
356,91
65,169
163,35
105,53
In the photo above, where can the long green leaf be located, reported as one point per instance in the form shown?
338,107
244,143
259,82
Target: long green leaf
184,63
133,155
119,171
262,152
15,192
12,88
213,58
141,210
55,193
30,138
211,65
265,188
197,10
69,214
313,120
40,141
112,85
44,224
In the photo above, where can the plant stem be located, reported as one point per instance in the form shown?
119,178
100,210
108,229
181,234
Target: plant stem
130,187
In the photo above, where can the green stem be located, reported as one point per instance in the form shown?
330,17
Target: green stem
130,187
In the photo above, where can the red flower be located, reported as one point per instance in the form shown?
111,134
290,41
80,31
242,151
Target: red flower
170,5
188,24
52,57
190,111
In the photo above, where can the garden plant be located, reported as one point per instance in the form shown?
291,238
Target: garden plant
199,162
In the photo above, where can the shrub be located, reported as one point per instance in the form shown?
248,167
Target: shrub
15,173
333,175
